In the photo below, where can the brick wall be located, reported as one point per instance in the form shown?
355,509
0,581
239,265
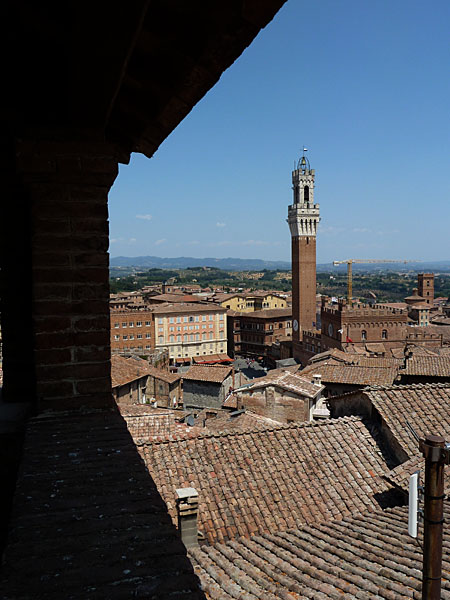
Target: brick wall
303,283
276,404
64,187
132,330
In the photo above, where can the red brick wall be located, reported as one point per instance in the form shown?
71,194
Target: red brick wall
66,186
303,283
125,324
275,404
425,282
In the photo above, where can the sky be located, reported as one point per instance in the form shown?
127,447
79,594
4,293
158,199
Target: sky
364,86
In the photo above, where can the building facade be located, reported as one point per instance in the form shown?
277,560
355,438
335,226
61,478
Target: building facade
190,330
303,219
252,334
425,282
252,302
360,324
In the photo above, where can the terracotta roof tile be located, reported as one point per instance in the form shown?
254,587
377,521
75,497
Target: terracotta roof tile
216,420
273,479
353,374
124,370
213,373
287,380
425,406
365,556
88,521
431,366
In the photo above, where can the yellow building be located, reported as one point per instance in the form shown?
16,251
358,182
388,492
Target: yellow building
251,302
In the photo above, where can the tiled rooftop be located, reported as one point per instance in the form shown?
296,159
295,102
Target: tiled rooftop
88,521
430,366
292,382
124,370
213,373
224,420
369,556
158,427
353,374
425,406
273,479
186,307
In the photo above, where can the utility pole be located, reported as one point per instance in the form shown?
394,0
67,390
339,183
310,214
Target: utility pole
436,453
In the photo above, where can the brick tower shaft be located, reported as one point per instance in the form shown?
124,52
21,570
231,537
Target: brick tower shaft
303,284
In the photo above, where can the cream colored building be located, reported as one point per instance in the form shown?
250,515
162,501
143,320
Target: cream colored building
190,330
251,302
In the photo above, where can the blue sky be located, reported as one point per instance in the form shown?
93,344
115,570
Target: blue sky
365,86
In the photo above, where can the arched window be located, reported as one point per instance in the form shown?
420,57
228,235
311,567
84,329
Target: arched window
364,334
306,193
384,334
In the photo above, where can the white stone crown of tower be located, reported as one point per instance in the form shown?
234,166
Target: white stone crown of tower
303,214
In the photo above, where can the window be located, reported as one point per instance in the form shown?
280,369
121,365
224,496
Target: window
197,326
172,338
364,334
204,318
147,323
131,337
139,336
172,328
131,324
384,334
178,319
117,337
185,337
124,324
221,317
147,347
210,317
172,320
138,323
191,319
197,318
125,337
147,336
178,338
191,327
116,325
178,328
185,319
161,339
191,337
203,336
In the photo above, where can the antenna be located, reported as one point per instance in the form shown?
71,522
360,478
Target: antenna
413,504
412,431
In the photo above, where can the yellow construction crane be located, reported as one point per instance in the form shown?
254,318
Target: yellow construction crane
349,263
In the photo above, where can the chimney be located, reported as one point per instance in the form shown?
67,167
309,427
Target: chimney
317,379
187,511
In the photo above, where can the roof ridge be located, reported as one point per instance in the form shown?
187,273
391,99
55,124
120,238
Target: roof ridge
269,428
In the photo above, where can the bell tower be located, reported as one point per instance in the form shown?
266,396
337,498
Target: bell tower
303,219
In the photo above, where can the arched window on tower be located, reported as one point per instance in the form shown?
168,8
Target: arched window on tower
364,334
384,334
306,193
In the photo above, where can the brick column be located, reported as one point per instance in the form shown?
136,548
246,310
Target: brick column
66,185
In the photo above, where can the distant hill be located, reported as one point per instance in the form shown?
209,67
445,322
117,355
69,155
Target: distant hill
183,262
256,264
